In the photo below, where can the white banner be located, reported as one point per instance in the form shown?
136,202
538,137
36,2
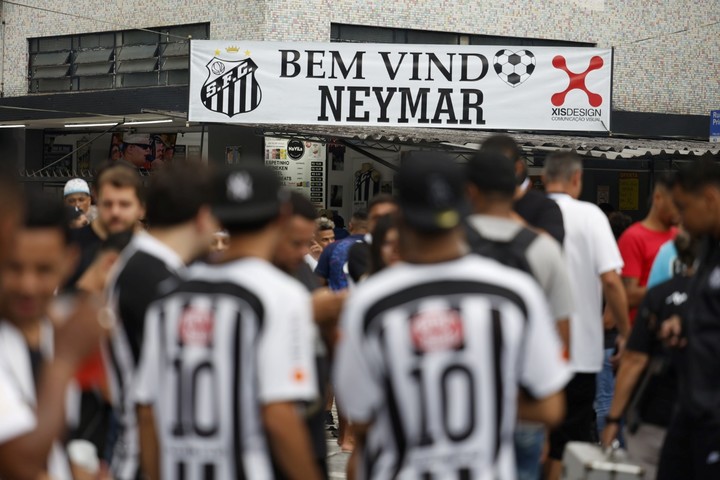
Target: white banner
454,86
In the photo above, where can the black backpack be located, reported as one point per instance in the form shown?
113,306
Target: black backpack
510,253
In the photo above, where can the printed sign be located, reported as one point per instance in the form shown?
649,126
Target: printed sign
715,126
300,166
454,86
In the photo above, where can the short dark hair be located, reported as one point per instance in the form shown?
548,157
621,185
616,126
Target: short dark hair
120,175
302,206
693,176
380,199
46,211
176,193
664,180
619,222
359,216
504,144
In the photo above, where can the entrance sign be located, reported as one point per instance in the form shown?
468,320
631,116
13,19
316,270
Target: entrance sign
453,86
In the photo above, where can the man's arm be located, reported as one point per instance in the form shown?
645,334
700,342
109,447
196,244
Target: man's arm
634,292
289,441
614,294
149,446
631,368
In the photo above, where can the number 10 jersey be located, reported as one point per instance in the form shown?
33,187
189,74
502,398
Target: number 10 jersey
432,355
224,343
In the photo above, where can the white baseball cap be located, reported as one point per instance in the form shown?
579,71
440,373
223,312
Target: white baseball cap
76,185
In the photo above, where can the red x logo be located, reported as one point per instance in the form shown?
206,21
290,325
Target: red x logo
577,81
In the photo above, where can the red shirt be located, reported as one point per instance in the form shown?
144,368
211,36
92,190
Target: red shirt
638,246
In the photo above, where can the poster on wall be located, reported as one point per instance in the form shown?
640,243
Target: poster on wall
365,84
143,150
232,155
300,165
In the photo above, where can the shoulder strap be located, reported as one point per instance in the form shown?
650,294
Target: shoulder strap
524,238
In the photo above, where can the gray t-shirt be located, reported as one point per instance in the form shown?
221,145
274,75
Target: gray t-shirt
544,257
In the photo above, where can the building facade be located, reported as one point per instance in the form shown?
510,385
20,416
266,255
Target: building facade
64,62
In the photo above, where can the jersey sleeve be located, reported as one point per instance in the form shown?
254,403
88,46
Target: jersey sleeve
286,349
630,249
16,417
608,256
358,388
148,374
543,370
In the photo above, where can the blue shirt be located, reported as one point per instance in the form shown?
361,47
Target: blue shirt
337,279
662,267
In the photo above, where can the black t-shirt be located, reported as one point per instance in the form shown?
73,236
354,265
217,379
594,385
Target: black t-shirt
541,212
659,398
143,279
88,242
359,261
700,379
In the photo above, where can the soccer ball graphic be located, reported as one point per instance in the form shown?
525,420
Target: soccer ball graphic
514,68
217,68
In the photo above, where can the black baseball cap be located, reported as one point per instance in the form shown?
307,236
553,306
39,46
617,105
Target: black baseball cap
246,193
431,191
491,171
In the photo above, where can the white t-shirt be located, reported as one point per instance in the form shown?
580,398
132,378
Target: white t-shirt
590,250
16,416
17,392
432,356
227,341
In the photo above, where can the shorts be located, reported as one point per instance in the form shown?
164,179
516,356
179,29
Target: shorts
580,420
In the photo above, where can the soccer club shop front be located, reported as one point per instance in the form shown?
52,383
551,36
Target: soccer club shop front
393,85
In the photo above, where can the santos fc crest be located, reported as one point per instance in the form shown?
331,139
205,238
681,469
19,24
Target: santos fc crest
231,87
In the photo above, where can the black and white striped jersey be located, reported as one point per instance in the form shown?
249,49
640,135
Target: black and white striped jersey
145,269
228,340
433,355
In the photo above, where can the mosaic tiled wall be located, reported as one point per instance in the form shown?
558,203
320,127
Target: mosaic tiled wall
673,73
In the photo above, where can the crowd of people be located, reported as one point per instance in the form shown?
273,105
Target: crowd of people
204,325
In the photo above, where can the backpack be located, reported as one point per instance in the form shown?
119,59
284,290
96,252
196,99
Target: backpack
510,253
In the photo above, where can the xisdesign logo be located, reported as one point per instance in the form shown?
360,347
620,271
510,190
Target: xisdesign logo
577,81
231,87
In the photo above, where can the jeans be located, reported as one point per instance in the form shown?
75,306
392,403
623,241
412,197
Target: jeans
529,439
605,391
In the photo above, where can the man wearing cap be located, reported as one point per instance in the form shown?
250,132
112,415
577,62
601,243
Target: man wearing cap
136,149
226,367
433,351
77,194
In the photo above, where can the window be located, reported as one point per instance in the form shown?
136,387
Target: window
131,58
340,32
